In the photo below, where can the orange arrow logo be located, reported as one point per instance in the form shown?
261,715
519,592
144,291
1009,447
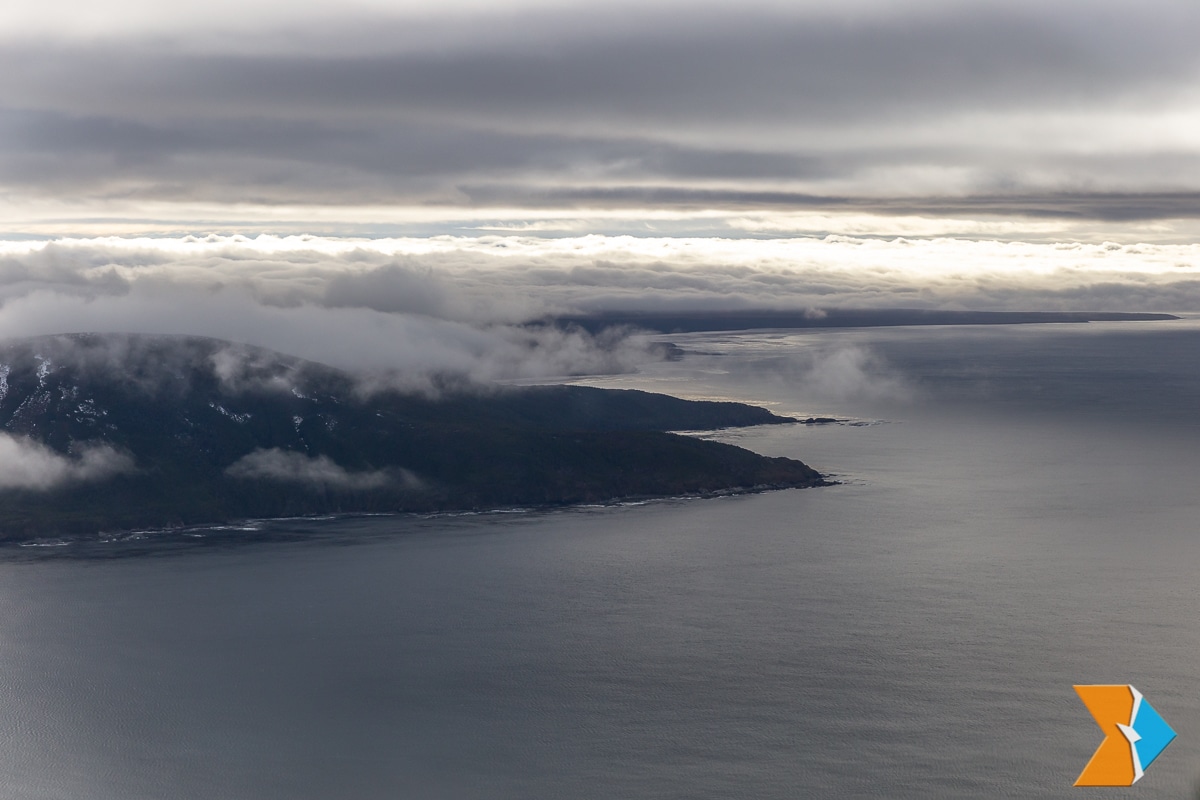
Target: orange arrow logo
1134,735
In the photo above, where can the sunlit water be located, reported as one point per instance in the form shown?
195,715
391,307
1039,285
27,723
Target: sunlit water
1018,514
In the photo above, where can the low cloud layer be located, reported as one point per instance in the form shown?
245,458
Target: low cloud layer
25,464
287,466
852,373
410,317
415,309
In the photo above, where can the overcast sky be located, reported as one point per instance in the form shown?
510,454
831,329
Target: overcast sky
776,116
449,171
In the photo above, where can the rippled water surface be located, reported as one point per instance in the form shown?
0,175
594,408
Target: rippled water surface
1018,514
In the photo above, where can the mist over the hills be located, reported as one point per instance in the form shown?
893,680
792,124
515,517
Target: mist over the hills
461,305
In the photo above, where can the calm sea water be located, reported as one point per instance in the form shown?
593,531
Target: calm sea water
1018,513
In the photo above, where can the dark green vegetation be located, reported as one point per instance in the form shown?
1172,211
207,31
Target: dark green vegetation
134,431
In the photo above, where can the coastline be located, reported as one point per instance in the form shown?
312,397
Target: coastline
201,534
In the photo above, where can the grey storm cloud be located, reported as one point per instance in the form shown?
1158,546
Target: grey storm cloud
665,104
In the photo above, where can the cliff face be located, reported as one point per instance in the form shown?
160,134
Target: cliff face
101,432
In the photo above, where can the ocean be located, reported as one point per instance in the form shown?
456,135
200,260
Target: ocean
1017,512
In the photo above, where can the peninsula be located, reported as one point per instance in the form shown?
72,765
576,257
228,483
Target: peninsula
103,432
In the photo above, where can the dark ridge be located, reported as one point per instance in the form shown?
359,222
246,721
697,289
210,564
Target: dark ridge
694,321
1107,206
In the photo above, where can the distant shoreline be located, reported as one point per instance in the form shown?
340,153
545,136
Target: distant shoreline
698,321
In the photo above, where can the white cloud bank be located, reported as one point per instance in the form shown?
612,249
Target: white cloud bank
424,307
25,464
288,466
